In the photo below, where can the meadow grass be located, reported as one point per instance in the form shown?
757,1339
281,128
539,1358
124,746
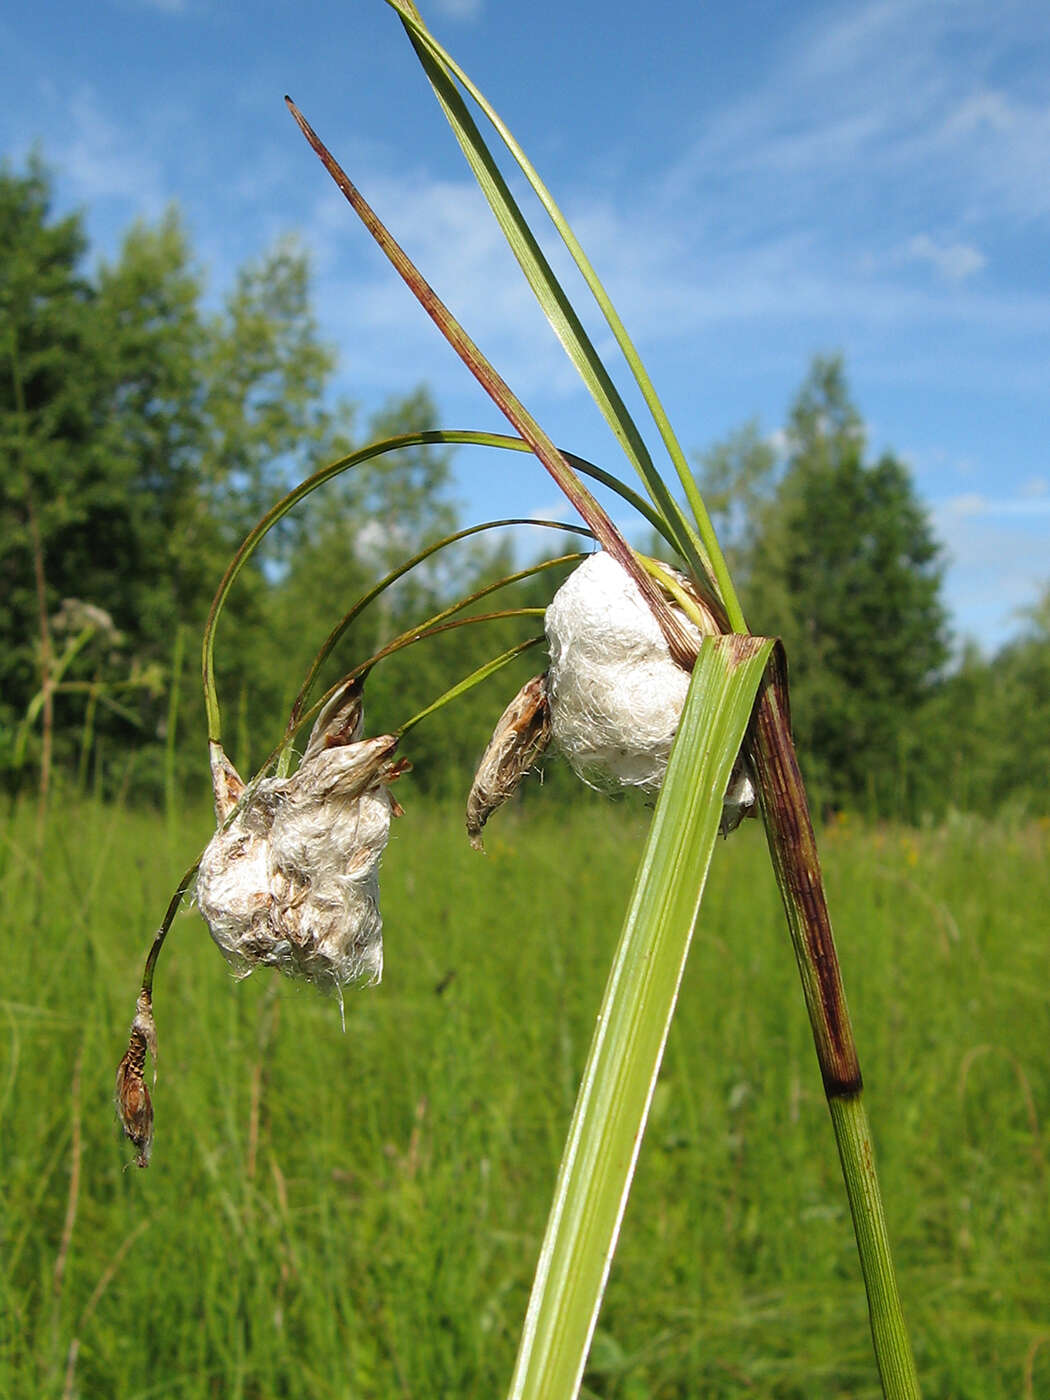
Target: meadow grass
358,1214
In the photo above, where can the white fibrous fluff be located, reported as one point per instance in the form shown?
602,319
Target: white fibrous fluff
292,882
616,694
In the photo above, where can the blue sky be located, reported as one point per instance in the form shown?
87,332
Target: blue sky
755,182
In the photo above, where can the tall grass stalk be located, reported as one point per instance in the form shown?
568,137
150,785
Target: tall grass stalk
548,1360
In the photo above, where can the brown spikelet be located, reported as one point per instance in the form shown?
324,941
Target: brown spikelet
341,720
227,783
522,733
133,1098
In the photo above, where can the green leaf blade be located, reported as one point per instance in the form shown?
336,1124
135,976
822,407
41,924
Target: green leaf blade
613,1102
701,550
441,69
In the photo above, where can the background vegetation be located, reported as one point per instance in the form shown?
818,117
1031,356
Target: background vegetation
144,427
358,1215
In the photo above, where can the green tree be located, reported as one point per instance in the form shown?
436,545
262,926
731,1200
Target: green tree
222,413
219,412
52,427
986,730
1020,714
148,303
347,535
841,562
140,436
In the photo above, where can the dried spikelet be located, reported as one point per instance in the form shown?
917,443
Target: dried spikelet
292,881
616,694
522,733
340,721
226,782
133,1098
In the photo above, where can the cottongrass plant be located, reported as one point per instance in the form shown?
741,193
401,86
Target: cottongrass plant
653,680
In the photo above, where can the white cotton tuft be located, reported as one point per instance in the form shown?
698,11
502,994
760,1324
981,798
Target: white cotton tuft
616,695
293,882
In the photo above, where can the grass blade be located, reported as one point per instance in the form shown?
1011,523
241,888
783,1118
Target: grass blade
482,673
613,1103
440,68
771,748
548,290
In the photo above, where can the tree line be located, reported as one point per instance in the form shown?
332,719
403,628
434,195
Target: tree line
144,430
835,554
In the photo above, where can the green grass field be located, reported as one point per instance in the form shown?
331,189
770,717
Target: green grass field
358,1214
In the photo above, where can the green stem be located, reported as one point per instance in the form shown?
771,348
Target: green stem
170,784
889,1334
789,829
348,618
469,682
431,628
793,848
169,915
540,275
552,297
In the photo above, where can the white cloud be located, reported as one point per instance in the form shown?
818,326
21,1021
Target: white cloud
884,94
103,161
672,280
1032,502
997,561
983,110
967,506
446,228
163,7
998,145
955,261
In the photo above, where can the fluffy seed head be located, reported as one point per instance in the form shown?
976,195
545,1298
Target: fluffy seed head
292,881
615,693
